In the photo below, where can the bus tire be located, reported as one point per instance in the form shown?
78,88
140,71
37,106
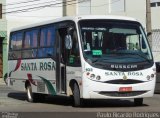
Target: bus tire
76,96
29,94
38,97
138,101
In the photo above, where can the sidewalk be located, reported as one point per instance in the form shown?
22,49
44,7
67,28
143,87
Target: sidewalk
2,81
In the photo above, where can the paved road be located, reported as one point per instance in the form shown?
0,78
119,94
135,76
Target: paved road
11,100
14,102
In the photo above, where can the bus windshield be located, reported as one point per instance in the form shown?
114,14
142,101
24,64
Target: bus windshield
114,41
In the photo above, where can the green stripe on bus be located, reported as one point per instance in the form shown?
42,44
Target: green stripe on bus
49,86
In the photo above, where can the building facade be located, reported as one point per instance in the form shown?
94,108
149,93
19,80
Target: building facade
155,13
3,41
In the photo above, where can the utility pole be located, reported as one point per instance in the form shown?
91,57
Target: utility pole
148,22
0,11
64,7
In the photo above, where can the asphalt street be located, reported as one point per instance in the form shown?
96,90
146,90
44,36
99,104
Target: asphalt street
12,101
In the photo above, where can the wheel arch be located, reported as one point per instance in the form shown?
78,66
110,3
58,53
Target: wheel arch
71,83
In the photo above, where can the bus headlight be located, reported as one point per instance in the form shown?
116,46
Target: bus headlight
148,77
152,75
98,77
92,76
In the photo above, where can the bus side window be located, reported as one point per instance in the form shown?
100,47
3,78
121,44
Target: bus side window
47,42
16,45
30,44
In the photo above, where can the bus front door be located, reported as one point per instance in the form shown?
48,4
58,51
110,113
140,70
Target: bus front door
61,61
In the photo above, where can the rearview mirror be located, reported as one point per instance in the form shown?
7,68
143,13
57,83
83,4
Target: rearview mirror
68,42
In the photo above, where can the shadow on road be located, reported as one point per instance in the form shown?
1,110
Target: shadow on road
17,95
67,101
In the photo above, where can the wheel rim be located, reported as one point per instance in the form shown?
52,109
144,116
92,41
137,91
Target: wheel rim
29,93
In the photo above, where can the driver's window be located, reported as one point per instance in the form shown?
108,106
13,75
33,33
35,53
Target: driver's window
133,42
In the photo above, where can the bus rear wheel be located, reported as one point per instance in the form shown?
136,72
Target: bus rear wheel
138,101
76,96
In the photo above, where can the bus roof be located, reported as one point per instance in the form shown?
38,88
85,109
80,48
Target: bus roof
76,19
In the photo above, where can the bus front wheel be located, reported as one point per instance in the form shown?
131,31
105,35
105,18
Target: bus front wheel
76,96
138,101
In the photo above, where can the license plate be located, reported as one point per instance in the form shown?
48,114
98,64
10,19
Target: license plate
125,89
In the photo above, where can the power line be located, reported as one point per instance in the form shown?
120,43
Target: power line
54,4
31,8
30,5
56,0
15,3
44,6
34,16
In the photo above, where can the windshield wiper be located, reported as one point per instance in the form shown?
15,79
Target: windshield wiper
98,59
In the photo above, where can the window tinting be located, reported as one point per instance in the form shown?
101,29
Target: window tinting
47,41
47,37
16,41
35,43
31,53
31,38
14,55
45,52
153,4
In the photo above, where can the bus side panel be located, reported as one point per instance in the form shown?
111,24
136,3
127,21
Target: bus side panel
39,72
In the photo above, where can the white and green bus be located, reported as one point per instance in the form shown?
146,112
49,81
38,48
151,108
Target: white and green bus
87,57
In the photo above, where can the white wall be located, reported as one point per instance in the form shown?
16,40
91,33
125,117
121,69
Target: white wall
99,7
93,7
117,6
137,9
155,13
131,8
84,8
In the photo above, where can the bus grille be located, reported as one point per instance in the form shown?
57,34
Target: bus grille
40,86
122,94
121,81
